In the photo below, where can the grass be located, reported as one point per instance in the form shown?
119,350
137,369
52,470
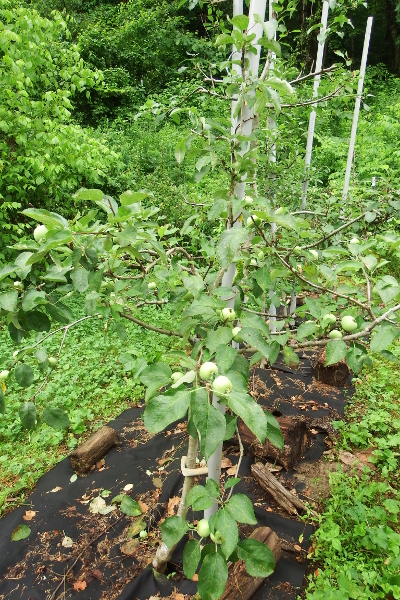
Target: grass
357,545
89,383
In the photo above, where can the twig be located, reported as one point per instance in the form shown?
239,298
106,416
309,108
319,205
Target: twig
147,326
329,235
312,75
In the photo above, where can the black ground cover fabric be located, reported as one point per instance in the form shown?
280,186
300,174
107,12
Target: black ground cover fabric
29,568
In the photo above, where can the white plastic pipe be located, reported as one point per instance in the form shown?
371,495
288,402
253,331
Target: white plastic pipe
357,107
257,7
313,115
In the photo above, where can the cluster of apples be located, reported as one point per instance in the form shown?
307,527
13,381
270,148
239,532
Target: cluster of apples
348,324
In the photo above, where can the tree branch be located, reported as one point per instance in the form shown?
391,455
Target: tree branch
147,326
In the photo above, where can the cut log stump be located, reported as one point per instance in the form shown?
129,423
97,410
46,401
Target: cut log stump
295,436
336,375
240,585
281,495
93,449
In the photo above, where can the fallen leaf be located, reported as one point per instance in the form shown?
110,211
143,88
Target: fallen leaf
97,574
172,502
225,463
135,528
157,482
56,489
269,509
99,506
297,547
29,515
128,487
195,577
316,572
79,586
314,431
105,493
67,542
100,463
347,458
179,597
130,547
73,478
231,471
20,533
143,506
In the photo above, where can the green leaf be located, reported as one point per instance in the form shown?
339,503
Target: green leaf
229,244
156,370
290,358
9,301
257,557
93,195
50,219
198,498
226,525
212,488
220,337
231,424
60,313
252,414
241,509
27,414
55,417
209,422
240,21
229,483
80,279
37,321
33,298
335,351
24,375
130,507
20,533
383,337
130,197
191,558
225,357
212,577
274,434
180,150
165,409
172,530
306,329
2,403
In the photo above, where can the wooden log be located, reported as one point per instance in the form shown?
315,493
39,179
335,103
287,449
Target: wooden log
281,495
240,585
336,375
93,449
296,439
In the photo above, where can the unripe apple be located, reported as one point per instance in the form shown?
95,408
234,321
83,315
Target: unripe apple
248,200
53,361
335,334
329,319
354,240
188,297
222,386
208,369
18,285
349,323
253,262
280,210
176,376
203,528
253,219
314,253
143,534
40,232
15,353
152,285
236,334
4,375
228,314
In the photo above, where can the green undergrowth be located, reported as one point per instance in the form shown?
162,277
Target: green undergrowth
90,384
357,545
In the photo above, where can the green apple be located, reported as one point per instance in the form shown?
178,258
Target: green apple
228,314
53,361
208,369
143,534
18,285
188,297
314,253
40,232
236,334
248,200
329,319
253,262
354,240
222,386
253,219
349,323
335,334
203,528
4,375
176,376
152,285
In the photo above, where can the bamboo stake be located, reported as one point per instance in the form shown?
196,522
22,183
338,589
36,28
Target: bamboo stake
313,115
357,107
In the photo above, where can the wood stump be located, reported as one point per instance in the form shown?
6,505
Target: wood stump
93,449
336,375
281,495
295,435
240,585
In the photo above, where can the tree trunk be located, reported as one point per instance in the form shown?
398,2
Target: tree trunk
282,496
93,449
394,33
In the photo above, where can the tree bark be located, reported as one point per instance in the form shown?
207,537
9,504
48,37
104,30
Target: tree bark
394,32
240,585
93,449
282,496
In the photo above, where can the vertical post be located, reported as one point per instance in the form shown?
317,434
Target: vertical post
313,115
357,107
257,7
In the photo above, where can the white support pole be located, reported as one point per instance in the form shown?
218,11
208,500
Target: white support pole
357,107
257,7
313,115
